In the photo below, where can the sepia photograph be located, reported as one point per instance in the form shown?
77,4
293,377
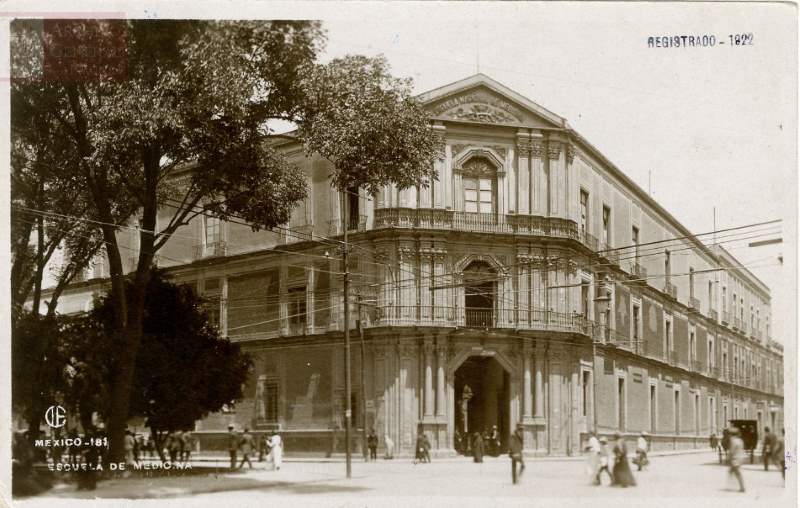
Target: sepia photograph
389,253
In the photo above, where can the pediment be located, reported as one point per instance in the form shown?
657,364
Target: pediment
480,99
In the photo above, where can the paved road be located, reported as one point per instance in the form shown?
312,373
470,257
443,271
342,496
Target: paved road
679,480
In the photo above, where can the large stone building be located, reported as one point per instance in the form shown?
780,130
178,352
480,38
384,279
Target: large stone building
532,283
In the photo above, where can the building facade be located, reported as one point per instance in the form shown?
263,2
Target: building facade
532,283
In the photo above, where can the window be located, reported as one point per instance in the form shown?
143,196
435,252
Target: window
297,305
478,195
667,338
677,411
636,322
710,295
667,268
267,402
585,299
586,385
710,352
653,412
635,242
692,348
697,414
621,403
691,282
584,212
212,231
606,226
724,299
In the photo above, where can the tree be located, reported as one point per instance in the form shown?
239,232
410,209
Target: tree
184,370
188,129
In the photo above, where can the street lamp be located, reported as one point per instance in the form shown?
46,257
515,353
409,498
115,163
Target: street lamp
602,304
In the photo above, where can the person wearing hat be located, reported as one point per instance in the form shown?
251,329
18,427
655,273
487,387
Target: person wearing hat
605,461
736,452
641,451
233,445
515,452
623,476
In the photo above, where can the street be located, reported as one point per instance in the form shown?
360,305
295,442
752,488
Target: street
675,480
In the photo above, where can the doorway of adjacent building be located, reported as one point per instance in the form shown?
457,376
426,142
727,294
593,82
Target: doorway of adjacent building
482,398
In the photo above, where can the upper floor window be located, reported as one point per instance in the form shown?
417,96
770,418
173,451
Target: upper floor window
479,185
635,242
606,225
478,195
691,282
584,211
212,230
667,267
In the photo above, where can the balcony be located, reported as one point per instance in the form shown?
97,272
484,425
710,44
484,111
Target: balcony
449,220
672,357
713,315
474,317
715,372
589,240
726,318
357,223
671,290
737,323
696,365
694,304
207,250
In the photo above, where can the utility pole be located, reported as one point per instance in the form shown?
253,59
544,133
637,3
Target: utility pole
363,385
348,413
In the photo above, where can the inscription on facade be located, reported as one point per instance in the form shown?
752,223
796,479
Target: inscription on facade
480,107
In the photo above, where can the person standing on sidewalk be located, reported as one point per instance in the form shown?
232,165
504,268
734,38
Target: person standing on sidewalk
372,444
737,456
276,450
605,462
247,445
389,447
515,452
768,447
623,476
233,445
477,448
641,451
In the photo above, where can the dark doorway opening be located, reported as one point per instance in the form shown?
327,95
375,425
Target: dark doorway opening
479,289
482,393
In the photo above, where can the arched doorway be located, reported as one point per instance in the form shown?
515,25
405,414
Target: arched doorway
479,295
483,400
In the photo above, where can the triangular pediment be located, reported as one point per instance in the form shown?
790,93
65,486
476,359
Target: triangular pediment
480,99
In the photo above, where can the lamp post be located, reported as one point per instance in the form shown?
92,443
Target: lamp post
602,304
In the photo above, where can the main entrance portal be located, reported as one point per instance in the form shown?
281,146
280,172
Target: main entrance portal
482,397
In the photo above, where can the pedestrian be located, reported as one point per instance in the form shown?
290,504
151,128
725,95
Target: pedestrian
137,447
477,447
622,474
174,446
276,450
186,444
494,441
736,454
247,445
387,441
779,454
372,444
458,442
129,444
233,445
768,447
641,451
515,452
712,441
419,447
605,460
593,458
263,447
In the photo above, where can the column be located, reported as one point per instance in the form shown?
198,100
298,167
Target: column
539,384
441,359
429,397
523,173
527,407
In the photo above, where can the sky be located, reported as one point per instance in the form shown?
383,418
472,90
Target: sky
710,131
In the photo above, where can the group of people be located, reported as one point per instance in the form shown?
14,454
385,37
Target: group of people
612,459
269,447
479,444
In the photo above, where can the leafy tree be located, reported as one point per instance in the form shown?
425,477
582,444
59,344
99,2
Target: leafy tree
188,129
184,370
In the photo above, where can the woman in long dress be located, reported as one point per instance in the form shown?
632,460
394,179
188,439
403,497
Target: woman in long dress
477,447
276,451
623,476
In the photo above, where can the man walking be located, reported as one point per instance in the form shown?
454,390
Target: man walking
515,451
641,451
372,444
736,452
233,445
768,448
247,444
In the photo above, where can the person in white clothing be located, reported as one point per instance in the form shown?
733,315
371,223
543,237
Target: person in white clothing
593,456
641,451
276,451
